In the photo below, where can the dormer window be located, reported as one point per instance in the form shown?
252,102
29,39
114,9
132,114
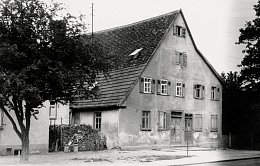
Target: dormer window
136,53
179,31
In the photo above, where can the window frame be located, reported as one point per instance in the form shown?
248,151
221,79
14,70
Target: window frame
164,83
201,91
180,89
147,82
181,58
164,120
214,123
214,93
1,119
179,31
97,125
146,116
198,122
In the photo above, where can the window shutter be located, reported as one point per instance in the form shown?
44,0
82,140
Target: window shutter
174,30
203,92
141,85
183,90
177,58
194,91
183,32
218,94
184,59
169,88
153,86
168,120
159,88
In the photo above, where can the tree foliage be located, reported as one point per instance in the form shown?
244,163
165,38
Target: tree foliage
43,56
250,36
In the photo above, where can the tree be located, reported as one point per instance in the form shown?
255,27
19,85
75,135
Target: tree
250,68
43,56
250,65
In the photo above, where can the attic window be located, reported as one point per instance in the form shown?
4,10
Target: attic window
136,53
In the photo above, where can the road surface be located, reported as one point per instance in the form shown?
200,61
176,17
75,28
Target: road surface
245,162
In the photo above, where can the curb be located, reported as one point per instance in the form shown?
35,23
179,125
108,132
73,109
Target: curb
219,161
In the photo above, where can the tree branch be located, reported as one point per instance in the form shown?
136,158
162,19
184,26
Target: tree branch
12,121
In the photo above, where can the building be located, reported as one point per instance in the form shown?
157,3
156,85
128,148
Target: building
49,114
163,90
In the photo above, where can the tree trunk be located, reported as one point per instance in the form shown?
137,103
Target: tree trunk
25,148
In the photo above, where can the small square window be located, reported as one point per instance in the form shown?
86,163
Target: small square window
181,58
179,31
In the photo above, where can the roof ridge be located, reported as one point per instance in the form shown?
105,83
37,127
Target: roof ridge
138,22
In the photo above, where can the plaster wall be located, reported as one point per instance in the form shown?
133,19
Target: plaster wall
162,66
63,114
39,133
109,125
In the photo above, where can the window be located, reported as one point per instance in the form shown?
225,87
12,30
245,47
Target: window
147,85
53,110
214,122
180,87
97,120
76,117
181,58
198,91
136,53
188,122
198,122
162,120
146,120
179,31
163,87
214,93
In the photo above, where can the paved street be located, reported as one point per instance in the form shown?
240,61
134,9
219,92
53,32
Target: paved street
246,162
146,157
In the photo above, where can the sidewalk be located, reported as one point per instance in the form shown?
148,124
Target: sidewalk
173,156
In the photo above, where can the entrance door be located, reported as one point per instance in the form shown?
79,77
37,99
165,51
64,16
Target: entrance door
176,127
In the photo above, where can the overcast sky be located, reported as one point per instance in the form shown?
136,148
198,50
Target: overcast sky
214,24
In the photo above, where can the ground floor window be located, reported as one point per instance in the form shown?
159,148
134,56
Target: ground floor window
214,122
198,122
162,120
76,117
146,120
97,120
188,122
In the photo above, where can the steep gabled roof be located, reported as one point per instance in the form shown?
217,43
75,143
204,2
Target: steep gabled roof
121,41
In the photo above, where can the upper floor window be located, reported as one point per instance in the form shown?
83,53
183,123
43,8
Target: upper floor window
163,87
214,93
179,31
146,120
147,85
181,58
97,120
180,87
198,91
